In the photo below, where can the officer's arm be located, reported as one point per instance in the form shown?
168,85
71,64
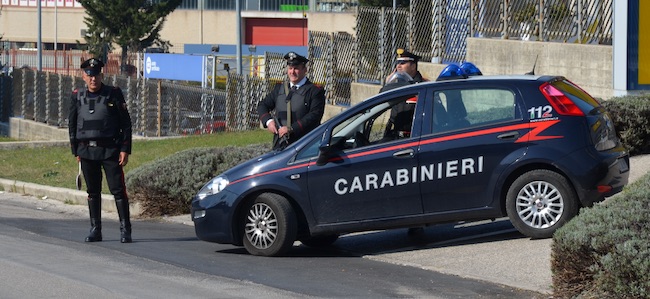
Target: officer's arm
72,123
126,131
316,99
266,105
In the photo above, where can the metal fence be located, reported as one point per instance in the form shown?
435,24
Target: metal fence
437,29
270,5
157,108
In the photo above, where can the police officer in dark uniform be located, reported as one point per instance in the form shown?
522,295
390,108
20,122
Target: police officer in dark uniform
405,73
408,62
304,100
401,117
100,137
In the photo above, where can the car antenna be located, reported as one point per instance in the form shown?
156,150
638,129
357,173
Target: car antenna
534,64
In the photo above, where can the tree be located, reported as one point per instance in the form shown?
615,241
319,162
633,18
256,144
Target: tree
133,25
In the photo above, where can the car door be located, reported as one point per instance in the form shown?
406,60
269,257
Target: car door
473,134
368,173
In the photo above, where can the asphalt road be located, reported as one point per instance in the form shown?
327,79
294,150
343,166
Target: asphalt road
42,254
490,252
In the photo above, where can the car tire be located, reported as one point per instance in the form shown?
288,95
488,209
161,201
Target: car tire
320,241
269,226
539,202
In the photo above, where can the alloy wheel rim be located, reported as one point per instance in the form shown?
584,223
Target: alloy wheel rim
261,227
539,204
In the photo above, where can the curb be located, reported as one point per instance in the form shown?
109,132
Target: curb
68,196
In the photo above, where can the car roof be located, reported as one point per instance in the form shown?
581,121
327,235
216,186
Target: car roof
481,78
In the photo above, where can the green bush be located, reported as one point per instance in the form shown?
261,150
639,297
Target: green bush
605,251
166,186
631,116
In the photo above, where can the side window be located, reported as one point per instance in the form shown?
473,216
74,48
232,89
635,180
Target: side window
384,122
462,108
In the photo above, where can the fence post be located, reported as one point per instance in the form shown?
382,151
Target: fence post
437,32
382,46
23,109
329,71
47,98
159,115
505,20
61,116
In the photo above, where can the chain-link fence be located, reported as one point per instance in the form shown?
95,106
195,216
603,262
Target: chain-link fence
434,29
157,108
332,64
437,29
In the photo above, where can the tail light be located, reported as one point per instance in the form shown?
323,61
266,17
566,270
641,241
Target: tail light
560,102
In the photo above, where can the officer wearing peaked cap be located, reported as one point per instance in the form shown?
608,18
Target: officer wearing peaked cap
100,137
293,59
92,67
293,108
408,62
402,114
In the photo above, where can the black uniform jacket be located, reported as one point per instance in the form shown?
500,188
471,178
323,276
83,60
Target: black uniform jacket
307,108
110,147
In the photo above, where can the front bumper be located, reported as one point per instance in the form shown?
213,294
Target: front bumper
213,217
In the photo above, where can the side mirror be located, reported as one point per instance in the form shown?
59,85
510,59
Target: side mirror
323,156
327,150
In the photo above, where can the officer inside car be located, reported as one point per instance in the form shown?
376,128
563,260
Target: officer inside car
100,137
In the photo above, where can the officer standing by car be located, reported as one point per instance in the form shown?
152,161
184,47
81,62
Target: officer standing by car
405,73
407,62
293,108
100,137
401,115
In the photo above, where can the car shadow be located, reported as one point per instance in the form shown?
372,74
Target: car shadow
401,240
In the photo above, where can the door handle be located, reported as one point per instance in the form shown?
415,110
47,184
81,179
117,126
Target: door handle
509,135
407,153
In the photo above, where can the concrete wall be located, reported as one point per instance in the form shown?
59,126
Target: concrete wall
589,66
30,130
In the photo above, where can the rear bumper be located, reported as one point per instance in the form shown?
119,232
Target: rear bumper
601,175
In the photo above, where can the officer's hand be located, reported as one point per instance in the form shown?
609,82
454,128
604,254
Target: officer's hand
283,130
390,75
271,127
124,158
78,159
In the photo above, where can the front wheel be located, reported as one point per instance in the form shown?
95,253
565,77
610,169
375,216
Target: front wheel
539,202
270,226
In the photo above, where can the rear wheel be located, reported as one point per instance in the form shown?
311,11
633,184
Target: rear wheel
320,241
539,202
270,226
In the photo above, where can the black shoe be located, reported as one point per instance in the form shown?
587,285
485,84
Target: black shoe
94,236
126,238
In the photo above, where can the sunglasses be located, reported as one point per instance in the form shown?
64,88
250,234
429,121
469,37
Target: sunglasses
403,62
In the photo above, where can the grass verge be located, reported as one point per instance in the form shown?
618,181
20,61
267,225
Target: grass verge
55,166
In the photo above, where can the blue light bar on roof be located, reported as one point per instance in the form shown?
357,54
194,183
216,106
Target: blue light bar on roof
452,71
470,69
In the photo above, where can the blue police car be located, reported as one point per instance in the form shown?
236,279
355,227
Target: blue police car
533,148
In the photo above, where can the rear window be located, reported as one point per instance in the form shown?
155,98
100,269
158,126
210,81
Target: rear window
579,97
